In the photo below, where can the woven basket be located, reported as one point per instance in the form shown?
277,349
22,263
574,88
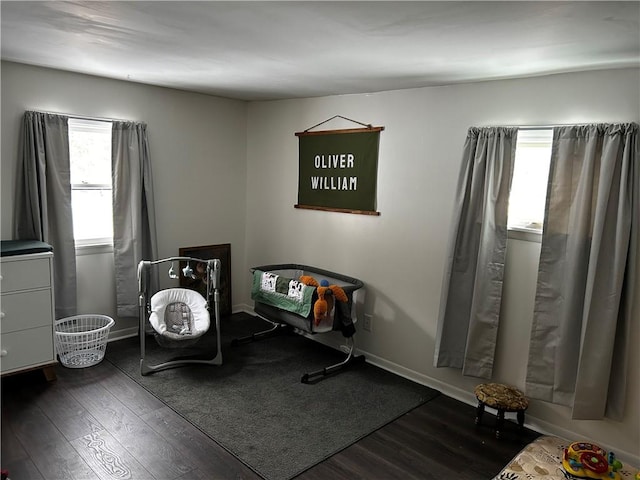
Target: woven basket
81,340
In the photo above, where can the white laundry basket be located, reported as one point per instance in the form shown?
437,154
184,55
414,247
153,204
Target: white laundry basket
81,340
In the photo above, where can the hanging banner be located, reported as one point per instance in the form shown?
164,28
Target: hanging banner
338,170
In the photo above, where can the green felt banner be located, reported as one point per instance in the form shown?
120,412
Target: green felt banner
339,169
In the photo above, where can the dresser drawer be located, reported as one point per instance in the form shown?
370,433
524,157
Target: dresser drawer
25,274
20,311
26,348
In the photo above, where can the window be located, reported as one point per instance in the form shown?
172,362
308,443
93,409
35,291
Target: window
90,163
530,177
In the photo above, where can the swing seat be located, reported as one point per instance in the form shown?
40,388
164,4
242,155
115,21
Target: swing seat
179,317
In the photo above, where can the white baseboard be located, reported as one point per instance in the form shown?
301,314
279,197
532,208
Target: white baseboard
120,334
533,423
123,333
242,308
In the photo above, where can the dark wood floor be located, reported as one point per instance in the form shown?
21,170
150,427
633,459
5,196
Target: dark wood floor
97,423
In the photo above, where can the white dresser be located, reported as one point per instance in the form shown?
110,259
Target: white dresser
27,313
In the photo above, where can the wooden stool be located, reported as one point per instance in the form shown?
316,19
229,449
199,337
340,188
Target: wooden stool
502,398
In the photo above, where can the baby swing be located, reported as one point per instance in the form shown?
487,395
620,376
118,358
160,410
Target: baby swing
179,316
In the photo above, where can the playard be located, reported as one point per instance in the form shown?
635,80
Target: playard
309,300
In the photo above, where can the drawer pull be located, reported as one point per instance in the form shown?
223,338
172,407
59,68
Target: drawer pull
1,314
3,353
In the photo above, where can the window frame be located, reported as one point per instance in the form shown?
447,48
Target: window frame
94,244
539,137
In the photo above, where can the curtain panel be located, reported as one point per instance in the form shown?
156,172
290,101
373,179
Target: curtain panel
587,271
43,199
134,227
472,285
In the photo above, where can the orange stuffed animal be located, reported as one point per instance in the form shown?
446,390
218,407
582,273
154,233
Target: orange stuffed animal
325,302
308,280
324,305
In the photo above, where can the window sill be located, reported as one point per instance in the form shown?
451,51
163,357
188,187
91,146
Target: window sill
525,234
94,249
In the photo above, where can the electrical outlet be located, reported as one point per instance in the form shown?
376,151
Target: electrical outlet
368,321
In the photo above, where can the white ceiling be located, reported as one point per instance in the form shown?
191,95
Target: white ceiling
275,50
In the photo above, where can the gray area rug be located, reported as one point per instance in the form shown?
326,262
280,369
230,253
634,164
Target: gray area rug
255,406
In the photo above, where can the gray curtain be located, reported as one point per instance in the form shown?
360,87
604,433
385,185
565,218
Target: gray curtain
43,199
587,271
472,285
134,227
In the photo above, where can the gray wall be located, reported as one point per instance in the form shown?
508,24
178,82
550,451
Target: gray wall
226,172
198,149
400,254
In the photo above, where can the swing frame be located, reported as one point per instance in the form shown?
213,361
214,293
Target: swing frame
212,305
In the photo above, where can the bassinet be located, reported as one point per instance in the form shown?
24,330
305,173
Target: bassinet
343,318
